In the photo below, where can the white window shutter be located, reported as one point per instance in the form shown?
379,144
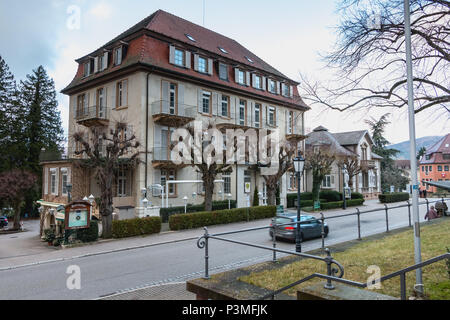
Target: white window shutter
264,115
181,107
96,68
105,60
278,87
187,63
236,75
253,80
210,67
247,78
214,103
172,54
196,62
286,121
291,91
113,96
264,83
119,55
200,100
251,114
69,175
276,117
125,92
46,180
165,97
57,182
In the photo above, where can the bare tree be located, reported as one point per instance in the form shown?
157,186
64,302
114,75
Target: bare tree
13,186
105,154
319,161
353,168
369,59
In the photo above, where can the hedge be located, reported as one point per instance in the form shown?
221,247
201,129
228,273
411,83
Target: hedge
165,213
339,204
135,227
393,197
201,219
90,234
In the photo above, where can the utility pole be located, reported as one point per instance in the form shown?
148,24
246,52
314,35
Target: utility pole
412,150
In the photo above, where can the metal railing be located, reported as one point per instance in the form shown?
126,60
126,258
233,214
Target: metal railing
92,112
178,109
203,243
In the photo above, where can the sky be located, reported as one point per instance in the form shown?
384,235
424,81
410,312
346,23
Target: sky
289,35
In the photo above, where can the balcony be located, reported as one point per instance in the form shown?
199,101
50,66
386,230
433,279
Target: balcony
232,121
92,116
367,164
172,116
161,159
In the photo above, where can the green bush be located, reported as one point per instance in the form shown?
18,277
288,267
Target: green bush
135,227
393,197
165,213
357,195
339,204
330,195
201,219
305,199
89,234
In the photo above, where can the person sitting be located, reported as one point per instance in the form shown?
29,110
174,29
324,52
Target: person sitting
431,214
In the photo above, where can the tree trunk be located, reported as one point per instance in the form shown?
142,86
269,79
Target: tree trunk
107,226
316,187
209,190
16,224
271,196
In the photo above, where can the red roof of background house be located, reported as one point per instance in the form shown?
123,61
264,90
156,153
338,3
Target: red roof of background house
148,50
436,152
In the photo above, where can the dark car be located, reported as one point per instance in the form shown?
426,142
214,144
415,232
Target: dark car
3,221
310,227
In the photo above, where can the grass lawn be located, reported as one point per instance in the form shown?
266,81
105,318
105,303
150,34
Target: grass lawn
390,254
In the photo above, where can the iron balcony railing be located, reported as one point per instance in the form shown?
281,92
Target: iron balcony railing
92,112
164,107
161,154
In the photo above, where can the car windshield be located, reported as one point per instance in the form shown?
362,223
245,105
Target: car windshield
282,220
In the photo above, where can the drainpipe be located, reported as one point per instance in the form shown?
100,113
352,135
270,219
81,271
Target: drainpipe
146,128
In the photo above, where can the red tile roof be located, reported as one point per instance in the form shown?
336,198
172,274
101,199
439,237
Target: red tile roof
147,50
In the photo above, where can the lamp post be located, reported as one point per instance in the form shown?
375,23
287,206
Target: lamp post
185,199
344,186
69,192
91,201
299,164
229,195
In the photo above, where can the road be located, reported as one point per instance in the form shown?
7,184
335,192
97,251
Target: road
109,273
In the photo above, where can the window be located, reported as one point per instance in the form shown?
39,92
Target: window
202,64
223,71
64,180
82,105
257,83
172,98
122,93
206,102
445,168
257,115
285,90
271,116
327,181
241,77
423,168
53,185
87,69
242,111
118,56
179,57
122,183
224,106
439,168
101,103
290,122
272,86
168,175
226,176
430,168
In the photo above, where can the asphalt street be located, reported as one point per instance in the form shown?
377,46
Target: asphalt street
179,261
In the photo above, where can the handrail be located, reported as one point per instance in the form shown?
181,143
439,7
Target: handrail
400,273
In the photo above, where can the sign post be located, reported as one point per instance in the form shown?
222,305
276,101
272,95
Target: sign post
77,216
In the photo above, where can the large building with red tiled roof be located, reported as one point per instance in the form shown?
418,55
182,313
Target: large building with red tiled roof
157,76
435,164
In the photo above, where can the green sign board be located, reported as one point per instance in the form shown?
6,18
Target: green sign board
77,215
316,204
280,209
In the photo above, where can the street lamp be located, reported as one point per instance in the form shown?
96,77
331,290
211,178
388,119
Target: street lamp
299,164
145,203
229,195
69,192
185,198
91,201
344,186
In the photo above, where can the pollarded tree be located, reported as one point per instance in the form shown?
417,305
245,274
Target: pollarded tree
369,57
319,160
106,154
13,186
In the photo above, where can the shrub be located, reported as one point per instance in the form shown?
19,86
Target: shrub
330,195
165,213
135,227
339,204
201,219
357,195
89,234
305,198
393,197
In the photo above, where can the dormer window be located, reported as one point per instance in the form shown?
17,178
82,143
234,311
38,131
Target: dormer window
179,57
223,71
272,86
202,62
118,56
242,77
190,37
285,90
87,68
257,81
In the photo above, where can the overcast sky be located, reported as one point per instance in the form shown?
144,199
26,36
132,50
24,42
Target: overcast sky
289,35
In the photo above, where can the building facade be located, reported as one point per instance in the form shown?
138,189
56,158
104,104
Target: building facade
435,164
159,75
348,144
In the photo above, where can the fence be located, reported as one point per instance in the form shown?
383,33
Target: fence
203,243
